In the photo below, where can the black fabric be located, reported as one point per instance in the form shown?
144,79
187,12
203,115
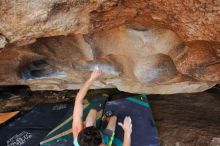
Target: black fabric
33,126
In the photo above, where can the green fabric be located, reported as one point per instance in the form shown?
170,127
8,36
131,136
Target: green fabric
139,102
111,139
108,140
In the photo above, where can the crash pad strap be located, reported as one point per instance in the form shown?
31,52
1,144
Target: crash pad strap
62,124
65,133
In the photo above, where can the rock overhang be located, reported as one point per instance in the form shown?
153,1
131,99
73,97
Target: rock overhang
142,47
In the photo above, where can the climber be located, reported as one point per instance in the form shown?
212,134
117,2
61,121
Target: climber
88,134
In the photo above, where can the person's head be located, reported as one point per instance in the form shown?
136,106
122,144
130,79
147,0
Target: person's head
90,136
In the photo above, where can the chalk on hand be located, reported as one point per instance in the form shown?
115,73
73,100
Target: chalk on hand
96,67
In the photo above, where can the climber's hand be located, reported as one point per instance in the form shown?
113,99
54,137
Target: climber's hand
95,74
127,126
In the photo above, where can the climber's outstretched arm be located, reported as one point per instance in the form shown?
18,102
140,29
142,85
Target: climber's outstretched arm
78,107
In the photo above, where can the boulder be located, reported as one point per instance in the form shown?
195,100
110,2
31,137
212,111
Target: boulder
153,47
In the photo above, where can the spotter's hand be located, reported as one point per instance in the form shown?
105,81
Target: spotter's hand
95,74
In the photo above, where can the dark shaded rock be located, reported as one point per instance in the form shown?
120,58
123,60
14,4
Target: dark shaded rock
187,119
40,69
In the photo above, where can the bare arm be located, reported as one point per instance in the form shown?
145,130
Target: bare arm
127,127
78,107
127,140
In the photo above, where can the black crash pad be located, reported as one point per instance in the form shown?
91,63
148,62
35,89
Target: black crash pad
30,128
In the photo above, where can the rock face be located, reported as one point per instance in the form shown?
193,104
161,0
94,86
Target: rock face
187,119
141,46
